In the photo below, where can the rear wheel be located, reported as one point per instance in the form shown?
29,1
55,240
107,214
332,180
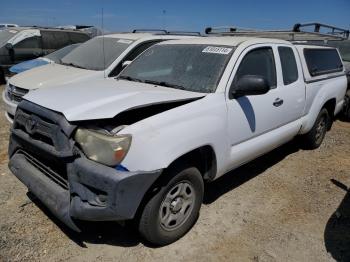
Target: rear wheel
314,138
2,76
346,111
173,210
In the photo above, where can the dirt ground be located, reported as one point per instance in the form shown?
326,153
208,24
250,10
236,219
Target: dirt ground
290,205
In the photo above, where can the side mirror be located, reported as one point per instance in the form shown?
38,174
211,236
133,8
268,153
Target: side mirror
9,46
126,63
249,85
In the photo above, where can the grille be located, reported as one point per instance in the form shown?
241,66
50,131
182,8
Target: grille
35,127
47,170
16,93
42,141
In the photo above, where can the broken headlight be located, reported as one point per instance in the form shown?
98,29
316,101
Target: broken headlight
103,148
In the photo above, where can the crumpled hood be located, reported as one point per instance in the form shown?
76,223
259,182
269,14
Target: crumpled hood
50,75
104,98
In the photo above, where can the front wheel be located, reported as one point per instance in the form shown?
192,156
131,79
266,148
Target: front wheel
173,210
314,138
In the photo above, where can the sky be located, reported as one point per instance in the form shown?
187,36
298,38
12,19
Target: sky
177,14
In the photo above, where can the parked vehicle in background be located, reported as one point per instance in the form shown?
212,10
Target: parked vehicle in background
4,26
182,113
54,57
24,43
344,48
101,57
92,31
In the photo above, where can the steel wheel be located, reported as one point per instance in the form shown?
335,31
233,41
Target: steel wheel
177,206
321,129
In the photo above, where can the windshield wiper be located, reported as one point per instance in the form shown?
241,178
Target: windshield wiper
129,78
73,65
166,84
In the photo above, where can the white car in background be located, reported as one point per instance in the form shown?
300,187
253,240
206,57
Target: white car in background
100,57
4,26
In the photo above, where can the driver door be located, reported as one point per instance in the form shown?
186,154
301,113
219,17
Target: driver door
254,121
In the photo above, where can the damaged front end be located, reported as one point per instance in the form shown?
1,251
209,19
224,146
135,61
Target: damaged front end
73,185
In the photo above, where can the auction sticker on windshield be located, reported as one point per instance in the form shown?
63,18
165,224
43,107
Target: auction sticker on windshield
217,50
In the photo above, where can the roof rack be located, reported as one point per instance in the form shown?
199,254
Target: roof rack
55,28
149,31
318,27
296,34
183,33
165,32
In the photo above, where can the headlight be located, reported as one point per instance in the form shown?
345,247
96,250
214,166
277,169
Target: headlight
106,149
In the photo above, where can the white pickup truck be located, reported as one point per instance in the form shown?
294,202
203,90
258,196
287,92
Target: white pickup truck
183,113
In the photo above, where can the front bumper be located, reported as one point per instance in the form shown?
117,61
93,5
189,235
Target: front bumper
95,192
71,186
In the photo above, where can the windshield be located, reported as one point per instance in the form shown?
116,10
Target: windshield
195,68
6,35
344,48
89,55
59,54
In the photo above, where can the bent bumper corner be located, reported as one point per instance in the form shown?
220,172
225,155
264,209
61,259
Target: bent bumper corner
94,192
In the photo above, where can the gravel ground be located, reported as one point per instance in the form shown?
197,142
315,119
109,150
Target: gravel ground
290,205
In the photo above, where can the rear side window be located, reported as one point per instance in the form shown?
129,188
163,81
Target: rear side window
289,65
322,61
78,38
55,39
48,40
259,62
61,39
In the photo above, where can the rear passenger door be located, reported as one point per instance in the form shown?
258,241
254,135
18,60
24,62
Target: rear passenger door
254,122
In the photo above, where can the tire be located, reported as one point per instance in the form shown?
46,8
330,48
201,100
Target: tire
174,209
346,111
2,76
314,138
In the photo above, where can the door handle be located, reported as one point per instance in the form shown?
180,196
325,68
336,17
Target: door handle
278,102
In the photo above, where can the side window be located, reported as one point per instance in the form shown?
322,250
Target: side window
61,39
289,65
32,42
48,40
259,62
139,49
78,38
54,39
132,55
322,61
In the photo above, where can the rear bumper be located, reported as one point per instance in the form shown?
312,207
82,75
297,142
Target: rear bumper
91,191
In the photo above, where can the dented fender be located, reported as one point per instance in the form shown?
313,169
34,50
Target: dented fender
159,140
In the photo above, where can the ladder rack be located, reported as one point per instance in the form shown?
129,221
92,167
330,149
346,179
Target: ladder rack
296,34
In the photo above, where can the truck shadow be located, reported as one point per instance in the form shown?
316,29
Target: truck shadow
243,174
112,233
337,231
